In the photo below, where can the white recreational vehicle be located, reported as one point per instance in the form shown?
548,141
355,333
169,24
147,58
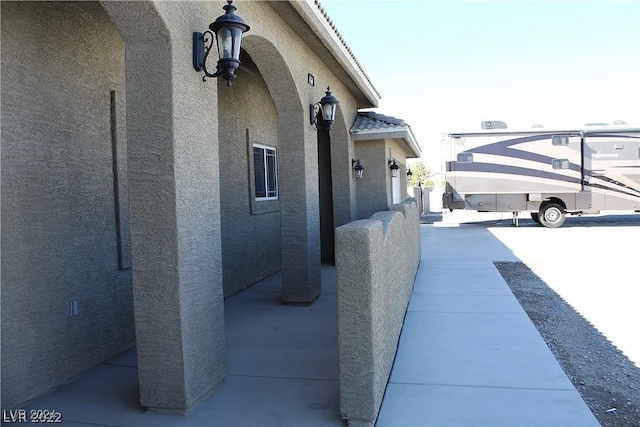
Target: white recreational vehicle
548,173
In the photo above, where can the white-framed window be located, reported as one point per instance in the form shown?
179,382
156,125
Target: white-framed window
265,172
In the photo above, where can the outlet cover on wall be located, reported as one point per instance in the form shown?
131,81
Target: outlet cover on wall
73,308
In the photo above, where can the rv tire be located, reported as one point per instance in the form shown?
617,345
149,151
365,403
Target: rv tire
551,215
535,216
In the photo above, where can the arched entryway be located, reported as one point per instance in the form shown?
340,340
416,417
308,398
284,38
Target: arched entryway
297,173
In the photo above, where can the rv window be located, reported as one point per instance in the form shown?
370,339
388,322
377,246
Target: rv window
560,140
465,157
560,164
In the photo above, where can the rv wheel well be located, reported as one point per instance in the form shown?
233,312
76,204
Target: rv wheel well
555,200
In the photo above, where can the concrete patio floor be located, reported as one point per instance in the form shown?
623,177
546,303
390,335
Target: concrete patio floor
282,370
468,356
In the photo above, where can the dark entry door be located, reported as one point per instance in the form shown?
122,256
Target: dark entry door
326,197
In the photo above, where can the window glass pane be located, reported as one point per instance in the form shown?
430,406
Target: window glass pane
560,140
465,157
271,174
560,164
258,172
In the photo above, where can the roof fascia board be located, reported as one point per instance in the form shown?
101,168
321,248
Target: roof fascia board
379,134
404,133
413,143
311,14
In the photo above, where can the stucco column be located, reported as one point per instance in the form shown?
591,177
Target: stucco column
299,205
175,210
343,177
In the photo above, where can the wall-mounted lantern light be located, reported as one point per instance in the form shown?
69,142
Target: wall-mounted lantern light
409,173
327,106
228,30
357,166
394,168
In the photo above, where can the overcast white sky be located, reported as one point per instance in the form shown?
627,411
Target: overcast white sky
444,66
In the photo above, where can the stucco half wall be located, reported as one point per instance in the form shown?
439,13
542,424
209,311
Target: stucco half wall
376,263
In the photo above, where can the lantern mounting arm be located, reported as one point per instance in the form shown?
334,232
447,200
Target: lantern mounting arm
314,109
202,45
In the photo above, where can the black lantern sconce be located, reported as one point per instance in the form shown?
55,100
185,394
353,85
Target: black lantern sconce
357,166
394,168
228,30
409,173
327,106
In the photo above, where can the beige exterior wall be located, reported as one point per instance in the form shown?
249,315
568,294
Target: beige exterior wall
285,61
60,62
374,190
376,263
184,139
250,229
396,151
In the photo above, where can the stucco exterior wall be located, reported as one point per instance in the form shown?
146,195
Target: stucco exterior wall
343,177
396,151
276,45
372,190
273,105
250,229
376,263
59,234
60,240
172,126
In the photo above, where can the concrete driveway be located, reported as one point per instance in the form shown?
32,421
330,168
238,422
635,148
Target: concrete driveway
592,262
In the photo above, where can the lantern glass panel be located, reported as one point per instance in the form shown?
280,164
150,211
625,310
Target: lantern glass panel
329,112
225,43
236,34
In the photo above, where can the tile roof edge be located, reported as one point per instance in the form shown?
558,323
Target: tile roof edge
345,45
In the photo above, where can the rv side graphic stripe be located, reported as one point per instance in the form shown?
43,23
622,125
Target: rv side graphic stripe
617,183
504,148
514,170
604,187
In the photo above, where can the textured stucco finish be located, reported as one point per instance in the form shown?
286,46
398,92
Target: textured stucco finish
250,233
175,211
59,236
284,61
58,195
374,190
376,263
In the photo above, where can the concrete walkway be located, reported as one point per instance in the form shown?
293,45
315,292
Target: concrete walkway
468,353
468,356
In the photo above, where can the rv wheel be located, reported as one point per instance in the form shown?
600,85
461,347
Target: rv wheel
551,215
535,217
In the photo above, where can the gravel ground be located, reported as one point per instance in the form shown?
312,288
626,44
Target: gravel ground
606,379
